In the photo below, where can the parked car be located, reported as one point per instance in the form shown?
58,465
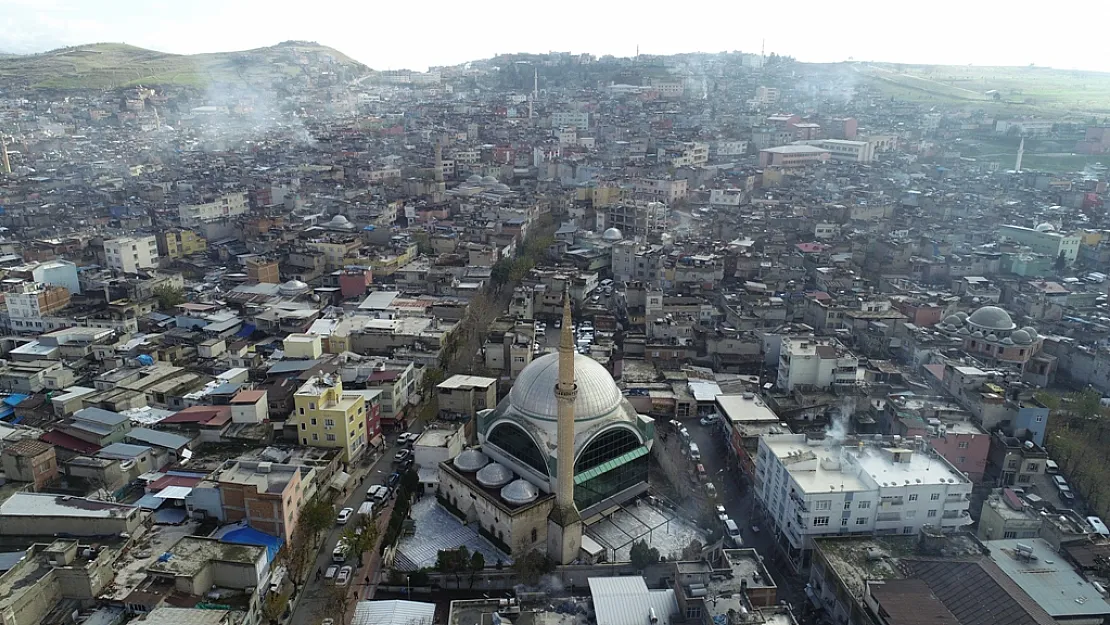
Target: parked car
711,490
700,470
1050,466
344,516
339,554
732,531
708,419
401,456
406,439
343,577
331,571
392,480
1059,481
695,451
377,493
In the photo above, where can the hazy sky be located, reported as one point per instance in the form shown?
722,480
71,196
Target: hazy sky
392,35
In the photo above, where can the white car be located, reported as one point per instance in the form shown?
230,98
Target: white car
708,419
377,492
344,516
344,576
330,572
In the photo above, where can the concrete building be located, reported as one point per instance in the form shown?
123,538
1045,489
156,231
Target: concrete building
32,514
645,219
466,395
816,362
303,346
811,487
250,407
58,273
178,243
845,150
266,495
49,577
130,254
1044,239
263,270
325,416
571,119
30,460
224,206
787,156
1006,515
31,303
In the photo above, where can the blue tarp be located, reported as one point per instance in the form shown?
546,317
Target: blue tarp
251,536
6,411
15,398
245,331
145,360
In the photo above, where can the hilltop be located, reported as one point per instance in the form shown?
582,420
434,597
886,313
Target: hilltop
112,65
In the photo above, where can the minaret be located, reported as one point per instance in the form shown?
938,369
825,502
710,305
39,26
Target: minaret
5,164
535,90
564,524
1021,151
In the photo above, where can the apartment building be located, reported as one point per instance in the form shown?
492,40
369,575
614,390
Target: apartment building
178,243
642,219
223,206
325,416
1044,239
130,254
845,150
31,303
662,190
793,156
816,362
263,270
267,496
466,395
811,487
564,119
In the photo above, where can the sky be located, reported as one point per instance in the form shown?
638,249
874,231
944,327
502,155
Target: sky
416,35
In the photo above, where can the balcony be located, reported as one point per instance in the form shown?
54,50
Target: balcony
955,518
887,517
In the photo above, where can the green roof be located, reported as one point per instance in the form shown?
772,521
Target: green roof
610,465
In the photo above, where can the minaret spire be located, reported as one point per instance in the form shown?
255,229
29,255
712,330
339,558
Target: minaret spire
1021,152
564,532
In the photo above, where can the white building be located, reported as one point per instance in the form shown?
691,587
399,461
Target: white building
845,150
130,254
814,487
816,362
725,197
58,273
577,119
226,205
732,148
1044,239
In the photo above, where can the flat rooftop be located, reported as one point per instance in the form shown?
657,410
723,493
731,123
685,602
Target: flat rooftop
1048,578
44,505
192,553
746,407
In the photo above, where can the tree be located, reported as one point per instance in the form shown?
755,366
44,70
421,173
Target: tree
1061,264
168,296
341,599
274,606
297,556
533,565
428,382
410,481
317,516
361,538
453,562
642,555
477,565
692,551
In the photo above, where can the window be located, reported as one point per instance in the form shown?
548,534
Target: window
822,504
1013,464
304,440
313,420
1032,467
911,514
1006,535
934,497
315,436
312,405
847,505
961,460
843,522
861,520
962,445
329,423
908,529
1039,419
535,535
330,437
518,444
301,409
1024,478
820,521
863,505
931,514
693,612
913,497
304,426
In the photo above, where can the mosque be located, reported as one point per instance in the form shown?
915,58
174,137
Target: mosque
563,446
990,334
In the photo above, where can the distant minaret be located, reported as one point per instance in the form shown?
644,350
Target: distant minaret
535,90
5,164
439,162
1021,151
564,523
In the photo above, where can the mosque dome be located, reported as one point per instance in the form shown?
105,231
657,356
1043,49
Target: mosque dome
992,337
340,221
520,492
1032,332
1008,341
612,234
474,179
489,180
533,393
953,320
977,334
990,318
1045,227
963,330
470,460
1021,337
501,187
962,315
494,475
293,287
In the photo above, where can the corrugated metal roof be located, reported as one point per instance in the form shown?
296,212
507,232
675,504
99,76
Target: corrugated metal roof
627,601
393,612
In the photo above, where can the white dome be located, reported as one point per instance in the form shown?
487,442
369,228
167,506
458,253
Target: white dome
953,320
612,234
1031,331
490,180
475,179
1008,341
339,221
533,394
1021,337
1045,227
991,318
520,492
501,187
494,475
293,287
470,460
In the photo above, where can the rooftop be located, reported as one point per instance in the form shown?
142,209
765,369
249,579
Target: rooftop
43,505
1048,578
191,554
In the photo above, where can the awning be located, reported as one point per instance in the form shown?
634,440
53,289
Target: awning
610,465
340,480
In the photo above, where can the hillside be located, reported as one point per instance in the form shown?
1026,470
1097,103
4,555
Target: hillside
111,65
1000,90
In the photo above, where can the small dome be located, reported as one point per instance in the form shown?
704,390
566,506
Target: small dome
1045,227
963,331
474,179
293,287
494,475
1031,331
992,337
1021,337
501,187
612,234
489,180
1007,341
962,315
470,460
520,492
977,334
991,318
339,221
953,320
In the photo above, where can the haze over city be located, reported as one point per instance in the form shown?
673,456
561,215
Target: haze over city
402,35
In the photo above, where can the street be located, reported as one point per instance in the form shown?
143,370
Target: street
314,598
739,500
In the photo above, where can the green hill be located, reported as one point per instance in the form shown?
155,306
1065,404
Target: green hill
111,65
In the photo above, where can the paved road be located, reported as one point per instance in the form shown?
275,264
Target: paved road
739,501
311,608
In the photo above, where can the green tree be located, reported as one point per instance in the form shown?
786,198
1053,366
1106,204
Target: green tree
642,555
533,565
168,296
477,565
317,516
410,482
431,378
361,538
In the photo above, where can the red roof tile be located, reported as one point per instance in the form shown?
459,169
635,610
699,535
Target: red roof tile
66,441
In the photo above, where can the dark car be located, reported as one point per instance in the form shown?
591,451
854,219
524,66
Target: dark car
393,479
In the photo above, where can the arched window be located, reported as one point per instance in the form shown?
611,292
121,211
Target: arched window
535,534
606,446
516,442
